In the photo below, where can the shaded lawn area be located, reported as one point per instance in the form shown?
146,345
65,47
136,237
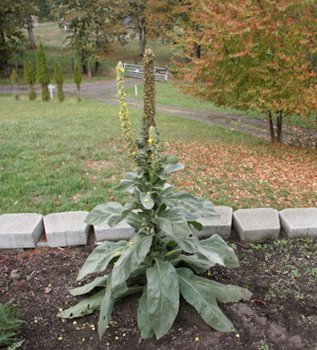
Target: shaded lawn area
58,157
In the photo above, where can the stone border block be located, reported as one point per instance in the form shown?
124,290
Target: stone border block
220,225
66,229
119,232
20,230
299,222
256,225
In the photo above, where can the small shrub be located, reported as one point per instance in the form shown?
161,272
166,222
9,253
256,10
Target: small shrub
59,82
163,257
9,327
14,81
43,73
77,80
29,77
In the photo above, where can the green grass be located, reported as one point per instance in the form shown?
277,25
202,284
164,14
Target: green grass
56,157
49,153
169,94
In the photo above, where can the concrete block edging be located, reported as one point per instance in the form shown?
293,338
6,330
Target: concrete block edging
24,230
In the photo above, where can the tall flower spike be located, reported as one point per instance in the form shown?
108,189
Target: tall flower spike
123,112
149,93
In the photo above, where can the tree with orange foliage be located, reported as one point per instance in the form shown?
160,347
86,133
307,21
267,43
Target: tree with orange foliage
256,54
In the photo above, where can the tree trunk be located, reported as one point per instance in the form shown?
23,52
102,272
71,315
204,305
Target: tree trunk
197,50
3,56
88,70
97,66
316,134
72,65
279,125
142,36
78,92
30,32
271,126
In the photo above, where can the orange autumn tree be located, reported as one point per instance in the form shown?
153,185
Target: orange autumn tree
254,55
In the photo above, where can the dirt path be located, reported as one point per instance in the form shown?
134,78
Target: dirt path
106,91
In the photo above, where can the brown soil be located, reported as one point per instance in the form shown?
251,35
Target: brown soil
281,315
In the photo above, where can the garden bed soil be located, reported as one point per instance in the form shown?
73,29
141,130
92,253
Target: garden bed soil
282,313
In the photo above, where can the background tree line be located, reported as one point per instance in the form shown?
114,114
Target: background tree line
252,54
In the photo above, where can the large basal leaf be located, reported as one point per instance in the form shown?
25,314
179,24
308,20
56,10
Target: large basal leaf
162,296
224,293
143,317
172,224
84,307
100,257
106,309
131,258
197,262
217,245
207,253
192,245
202,298
104,213
191,207
111,295
97,282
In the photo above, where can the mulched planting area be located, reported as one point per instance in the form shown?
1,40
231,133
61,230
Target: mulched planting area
282,313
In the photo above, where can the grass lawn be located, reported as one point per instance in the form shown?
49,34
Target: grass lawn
168,93
56,157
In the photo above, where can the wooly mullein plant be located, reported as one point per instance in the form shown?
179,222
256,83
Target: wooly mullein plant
162,258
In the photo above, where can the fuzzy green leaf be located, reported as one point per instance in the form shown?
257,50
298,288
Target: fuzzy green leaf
84,307
146,200
216,244
97,282
127,184
191,207
104,212
105,310
131,258
192,245
100,257
134,220
202,297
112,294
173,224
162,296
143,317
224,293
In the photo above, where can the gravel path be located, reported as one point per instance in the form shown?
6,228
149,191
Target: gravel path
106,91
